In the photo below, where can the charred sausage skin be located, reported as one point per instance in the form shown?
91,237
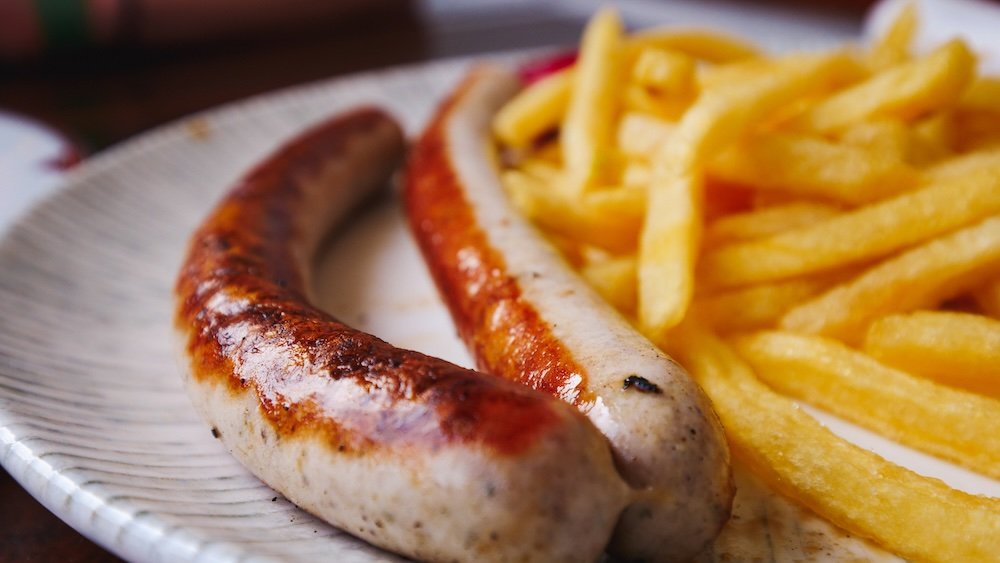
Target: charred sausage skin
406,451
527,317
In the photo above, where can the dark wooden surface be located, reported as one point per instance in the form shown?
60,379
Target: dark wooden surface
101,98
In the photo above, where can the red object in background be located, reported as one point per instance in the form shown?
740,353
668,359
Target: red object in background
537,70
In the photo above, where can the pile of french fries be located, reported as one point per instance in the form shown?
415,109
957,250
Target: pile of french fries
822,227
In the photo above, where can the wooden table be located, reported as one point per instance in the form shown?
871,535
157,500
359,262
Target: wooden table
99,99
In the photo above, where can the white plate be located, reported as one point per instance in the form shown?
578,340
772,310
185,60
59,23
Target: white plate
93,420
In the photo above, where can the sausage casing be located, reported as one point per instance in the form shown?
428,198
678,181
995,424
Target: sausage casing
406,451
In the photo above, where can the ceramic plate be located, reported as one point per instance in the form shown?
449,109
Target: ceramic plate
93,419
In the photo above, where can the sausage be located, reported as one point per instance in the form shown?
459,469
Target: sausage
525,315
408,452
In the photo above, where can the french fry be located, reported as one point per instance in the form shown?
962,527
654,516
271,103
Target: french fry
707,45
636,174
719,117
636,98
982,95
859,235
812,167
757,306
668,249
588,123
641,135
533,111
905,91
976,130
921,277
767,221
957,349
544,171
607,218
971,163
666,71
893,47
988,298
956,425
887,138
933,138
614,277
916,517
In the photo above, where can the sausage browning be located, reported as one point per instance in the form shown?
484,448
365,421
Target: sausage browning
527,317
406,451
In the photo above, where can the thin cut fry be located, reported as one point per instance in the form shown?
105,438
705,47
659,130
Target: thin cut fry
956,425
668,249
722,116
767,221
886,138
707,45
893,47
668,72
982,95
976,162
636,98
640,135
588,123
812,167
614,278
917,517
933,138
957,349
857,236
906,91
535,110
988,298
757,306
918,278
607,218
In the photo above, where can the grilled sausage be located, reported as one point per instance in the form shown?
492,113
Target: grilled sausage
408,452
526,316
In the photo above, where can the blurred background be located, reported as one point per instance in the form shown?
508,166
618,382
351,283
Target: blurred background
77,76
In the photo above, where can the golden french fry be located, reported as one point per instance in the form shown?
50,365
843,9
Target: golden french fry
607,218
905,91
614,277
893,47
668,249
887,138
707,45
533,111
767,221
988,298
921,277
589,120
544,171
859,235
933,138
956,425
812,167
914,516
971,163
637,99
957,349
976,130
982,95
757,306
711,77
636,174
667,72
721,116
640,135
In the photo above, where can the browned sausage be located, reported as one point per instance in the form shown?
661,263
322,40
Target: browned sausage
406,451
526,316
